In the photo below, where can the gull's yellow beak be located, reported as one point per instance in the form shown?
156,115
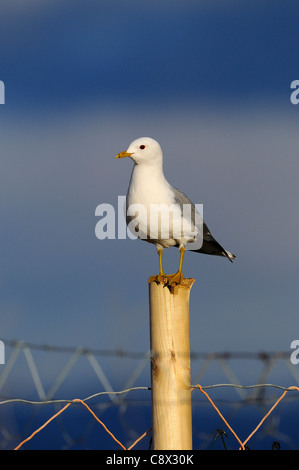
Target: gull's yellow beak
123,154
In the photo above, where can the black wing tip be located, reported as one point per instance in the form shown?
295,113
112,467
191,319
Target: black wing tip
230,256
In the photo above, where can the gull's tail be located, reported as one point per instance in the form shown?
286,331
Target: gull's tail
229,255
213,248
210,246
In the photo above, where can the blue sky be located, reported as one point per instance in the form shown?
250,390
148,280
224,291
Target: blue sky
63,54
212,84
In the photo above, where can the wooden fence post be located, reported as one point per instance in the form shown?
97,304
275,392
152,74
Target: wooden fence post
170,365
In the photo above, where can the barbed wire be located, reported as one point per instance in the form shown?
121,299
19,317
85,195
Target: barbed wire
260,355
198,386
48,402
122,398
119,392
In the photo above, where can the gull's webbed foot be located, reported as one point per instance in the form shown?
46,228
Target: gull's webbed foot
160,278
167,279
176,278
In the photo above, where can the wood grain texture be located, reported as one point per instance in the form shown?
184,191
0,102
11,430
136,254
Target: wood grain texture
170,366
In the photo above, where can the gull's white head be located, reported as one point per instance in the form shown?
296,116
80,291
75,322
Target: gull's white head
143,151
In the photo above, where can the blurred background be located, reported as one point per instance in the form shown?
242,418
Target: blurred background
211,82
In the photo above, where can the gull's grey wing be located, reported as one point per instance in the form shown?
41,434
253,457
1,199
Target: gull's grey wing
210,246
181,199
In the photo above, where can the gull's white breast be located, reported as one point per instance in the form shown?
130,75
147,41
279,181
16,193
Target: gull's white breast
150,202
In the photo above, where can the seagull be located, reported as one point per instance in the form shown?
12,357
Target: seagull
149,189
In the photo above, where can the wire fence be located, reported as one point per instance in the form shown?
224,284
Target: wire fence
225,415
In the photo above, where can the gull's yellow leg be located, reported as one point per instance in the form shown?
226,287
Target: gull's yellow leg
160,253
161,276
178,277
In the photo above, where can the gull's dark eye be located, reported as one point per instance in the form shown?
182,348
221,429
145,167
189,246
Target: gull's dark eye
142,147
